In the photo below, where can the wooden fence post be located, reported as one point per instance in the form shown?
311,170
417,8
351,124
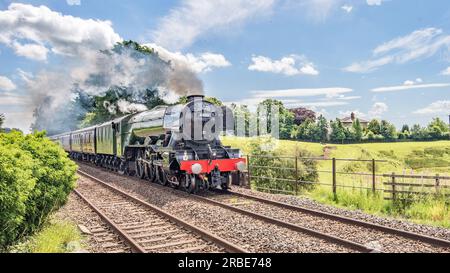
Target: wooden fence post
374,178
334,178
249,174
438,190
296,176
394,194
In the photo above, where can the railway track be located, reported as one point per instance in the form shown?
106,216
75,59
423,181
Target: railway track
360,235
353,234
143,227
394,231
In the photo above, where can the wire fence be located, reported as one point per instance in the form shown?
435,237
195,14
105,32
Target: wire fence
292,175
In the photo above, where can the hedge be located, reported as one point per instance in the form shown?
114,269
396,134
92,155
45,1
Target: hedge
36,178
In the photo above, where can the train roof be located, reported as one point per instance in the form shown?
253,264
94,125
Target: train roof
117,120
156,113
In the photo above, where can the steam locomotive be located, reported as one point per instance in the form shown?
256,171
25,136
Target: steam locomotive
177,146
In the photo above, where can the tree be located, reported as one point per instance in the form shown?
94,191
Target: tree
286,117
357,128
214,101
419,133
375,127
337,131
242,119
322,129
437,122
302,114
388,130
405,128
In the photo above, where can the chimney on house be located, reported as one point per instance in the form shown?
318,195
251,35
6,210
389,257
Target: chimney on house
353,116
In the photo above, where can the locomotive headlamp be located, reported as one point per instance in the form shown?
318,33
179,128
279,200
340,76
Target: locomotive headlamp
196,168
241,166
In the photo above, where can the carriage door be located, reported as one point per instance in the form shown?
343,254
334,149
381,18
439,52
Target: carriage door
116,139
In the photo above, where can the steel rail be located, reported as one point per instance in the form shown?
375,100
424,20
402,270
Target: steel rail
228,246
394,231
297,228
135,247
329,238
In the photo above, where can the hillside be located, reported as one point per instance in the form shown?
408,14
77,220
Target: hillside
419,157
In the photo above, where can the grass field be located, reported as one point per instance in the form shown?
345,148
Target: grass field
431,157
428,158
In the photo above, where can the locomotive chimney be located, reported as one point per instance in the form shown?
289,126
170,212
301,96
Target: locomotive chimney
195,98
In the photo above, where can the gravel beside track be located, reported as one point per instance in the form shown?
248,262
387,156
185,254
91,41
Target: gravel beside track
153,232
375,239
100,238
437,232
253,235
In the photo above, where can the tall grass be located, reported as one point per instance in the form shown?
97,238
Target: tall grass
56,237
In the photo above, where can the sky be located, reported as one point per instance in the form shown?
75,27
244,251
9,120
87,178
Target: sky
386,59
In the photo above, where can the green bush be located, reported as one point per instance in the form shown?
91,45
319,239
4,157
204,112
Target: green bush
279,175
36,178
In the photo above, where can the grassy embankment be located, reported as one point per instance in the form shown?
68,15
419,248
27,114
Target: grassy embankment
57,236
403,158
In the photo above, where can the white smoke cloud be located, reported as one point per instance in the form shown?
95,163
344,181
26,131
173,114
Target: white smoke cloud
79,42
129,108
199,63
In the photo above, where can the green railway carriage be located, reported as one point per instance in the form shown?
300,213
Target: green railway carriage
83,141
111,136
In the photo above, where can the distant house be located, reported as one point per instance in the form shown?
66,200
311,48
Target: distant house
348,121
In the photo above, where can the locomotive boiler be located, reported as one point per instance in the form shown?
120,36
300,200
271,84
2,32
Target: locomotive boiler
177,146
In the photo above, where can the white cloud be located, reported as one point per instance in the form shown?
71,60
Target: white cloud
408,86
193,18
410,83
347,8
6,84
73,2
203,62
334,96
357,113
332,92
316,104
31,51
375,2
378,109
43,30
446,72
438,107
290,66
419,44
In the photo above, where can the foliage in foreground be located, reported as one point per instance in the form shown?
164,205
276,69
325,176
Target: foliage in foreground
55,237
280,173
36,178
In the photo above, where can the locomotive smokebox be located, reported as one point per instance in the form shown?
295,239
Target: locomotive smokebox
195,98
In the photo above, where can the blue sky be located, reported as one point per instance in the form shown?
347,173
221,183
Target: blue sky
381,59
